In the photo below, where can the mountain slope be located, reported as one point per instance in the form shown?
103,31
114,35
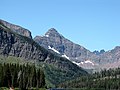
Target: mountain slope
111,58
17,29
53,39
13,44
66,48
77,54
16,45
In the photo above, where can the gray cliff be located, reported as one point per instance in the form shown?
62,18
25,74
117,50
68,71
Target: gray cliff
17,29
79,54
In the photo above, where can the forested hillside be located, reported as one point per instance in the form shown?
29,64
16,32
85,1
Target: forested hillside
21,76
16,47
104,80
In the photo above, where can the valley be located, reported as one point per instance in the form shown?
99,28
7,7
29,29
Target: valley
52,61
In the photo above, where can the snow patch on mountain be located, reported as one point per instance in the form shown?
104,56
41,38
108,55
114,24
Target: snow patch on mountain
47,35
88,61
76,63
84,63
66,56
53,49
81,62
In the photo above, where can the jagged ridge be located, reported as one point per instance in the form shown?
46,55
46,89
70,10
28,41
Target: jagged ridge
17,29
16,45
78,54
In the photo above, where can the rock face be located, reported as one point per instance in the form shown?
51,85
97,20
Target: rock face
57,69
78,54
111,58
13,44
17,41
98,53
53,39
17,29
66,48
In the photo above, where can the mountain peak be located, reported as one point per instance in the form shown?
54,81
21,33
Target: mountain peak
18,29
52,31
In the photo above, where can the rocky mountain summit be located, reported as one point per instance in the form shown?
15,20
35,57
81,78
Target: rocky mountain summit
78,54
17,29
64,46
13,44
111,58
17,41
99,52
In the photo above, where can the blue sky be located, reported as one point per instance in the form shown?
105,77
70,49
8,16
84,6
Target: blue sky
94,24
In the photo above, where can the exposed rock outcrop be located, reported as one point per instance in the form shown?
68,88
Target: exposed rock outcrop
16,45
13,44
17,29
78,54
53,39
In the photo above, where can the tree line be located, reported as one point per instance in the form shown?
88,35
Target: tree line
105,80
21,76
